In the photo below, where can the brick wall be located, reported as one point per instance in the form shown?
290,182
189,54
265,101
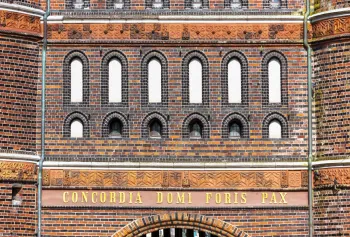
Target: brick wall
17,220
135,148
105,222
18,94
331,92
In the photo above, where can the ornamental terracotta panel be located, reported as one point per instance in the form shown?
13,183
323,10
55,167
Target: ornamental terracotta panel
169,31
175,179
331,177
20,23
20,171
330,27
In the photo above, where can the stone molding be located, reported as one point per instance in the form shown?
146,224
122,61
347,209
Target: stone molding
295,179
148,224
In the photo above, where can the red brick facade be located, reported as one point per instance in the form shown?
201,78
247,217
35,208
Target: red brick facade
175,35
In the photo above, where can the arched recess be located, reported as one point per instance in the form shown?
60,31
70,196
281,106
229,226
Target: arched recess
151,117
115,116
196,117
239,119
72,116
67,77
280,118
265,78
149,224
144,78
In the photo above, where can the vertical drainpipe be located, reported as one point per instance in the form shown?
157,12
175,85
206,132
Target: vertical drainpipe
309,95
43,93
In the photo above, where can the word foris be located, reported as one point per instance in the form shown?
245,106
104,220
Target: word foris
209,198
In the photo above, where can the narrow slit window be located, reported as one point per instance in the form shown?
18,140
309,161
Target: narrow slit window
154,81
235,130
76,129
78,4
115,128
118,4
157,4
195,81
274,74
155,129
275,4
115,81
234,82
235,4
275,129
196,130
76,68
197,4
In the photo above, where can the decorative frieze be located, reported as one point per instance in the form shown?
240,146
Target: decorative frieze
329,27
20,23
175,179
336,176
170,31
20,171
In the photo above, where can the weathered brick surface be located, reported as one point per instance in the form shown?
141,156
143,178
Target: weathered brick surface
18,94
102,222
332,212
17,220
332,91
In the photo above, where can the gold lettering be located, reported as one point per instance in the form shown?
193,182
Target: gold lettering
189,198
169,198
130,197
103,197
244,198
283,198
93,197
112,197
208,197
74,197
218,198
159,197
180,198
264,197
65,197
273,198
236,198
227,198
138,198
121,197
84,196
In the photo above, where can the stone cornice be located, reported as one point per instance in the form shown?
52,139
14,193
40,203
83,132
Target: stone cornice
330,14
21,9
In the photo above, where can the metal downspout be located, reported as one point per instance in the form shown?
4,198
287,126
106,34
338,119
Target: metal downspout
43,93
309,95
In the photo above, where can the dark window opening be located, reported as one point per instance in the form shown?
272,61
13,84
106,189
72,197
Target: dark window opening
155,130
115,128
235,130
196,130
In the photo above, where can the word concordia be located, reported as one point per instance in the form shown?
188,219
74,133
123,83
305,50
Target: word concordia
171,199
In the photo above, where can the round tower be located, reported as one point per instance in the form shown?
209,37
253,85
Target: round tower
20,35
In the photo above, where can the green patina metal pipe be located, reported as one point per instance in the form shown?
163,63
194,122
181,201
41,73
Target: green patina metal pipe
309,85
43,91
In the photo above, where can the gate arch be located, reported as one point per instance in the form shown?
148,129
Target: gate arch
148,224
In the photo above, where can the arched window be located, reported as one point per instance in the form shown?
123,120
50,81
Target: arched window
196,4
114,81
118,4
274,74
76,128
275,4
234,81
275,129
157,4
236,4
115,128
76,68
235,130
78,4
154,81
196,130
195,81
155,129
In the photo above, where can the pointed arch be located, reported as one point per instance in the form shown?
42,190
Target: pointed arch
148,224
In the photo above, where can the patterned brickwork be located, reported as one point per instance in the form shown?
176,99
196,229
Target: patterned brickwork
178,32
331,93
176,145
18,97
176,179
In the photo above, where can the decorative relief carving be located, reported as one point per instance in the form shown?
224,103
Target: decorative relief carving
332,177
158,31
331,27
18,171
171,178
14,21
